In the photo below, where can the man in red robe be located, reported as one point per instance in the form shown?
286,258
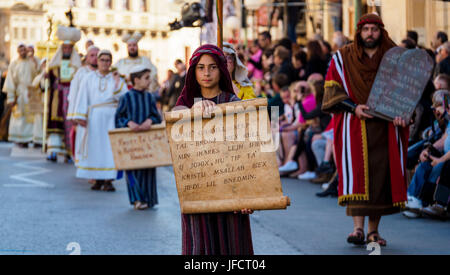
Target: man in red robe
370,152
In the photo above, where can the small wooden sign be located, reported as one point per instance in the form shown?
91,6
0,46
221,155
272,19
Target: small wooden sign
140,150
400,83
227,162
35,104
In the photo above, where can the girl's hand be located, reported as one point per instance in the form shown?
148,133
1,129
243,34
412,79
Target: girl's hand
207,107
133,126
146,125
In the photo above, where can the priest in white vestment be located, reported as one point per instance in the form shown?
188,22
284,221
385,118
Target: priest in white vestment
125,65
96,106
91,66
21,73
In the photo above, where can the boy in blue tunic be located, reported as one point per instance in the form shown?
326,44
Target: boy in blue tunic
137,111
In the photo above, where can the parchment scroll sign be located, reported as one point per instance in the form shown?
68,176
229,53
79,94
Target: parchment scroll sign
226,162
140,150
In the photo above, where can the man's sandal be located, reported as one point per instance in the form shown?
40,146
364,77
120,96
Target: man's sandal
376,238
356,237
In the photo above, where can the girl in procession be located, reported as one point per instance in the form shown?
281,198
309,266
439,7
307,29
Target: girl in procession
137,111
212,233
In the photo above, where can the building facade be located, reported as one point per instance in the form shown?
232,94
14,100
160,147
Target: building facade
104,22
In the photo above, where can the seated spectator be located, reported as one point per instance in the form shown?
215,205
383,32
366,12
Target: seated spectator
291,111
315,61
442,82
326,50
299,64
443,59
242,86
339,40
280,80
254,65
318,121
282,61
440,209
431,163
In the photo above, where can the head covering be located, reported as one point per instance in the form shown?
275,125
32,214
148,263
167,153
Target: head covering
21,44
92,47
191,88
104,52
370,18
135,37
69,35
360,70
240,72
138,69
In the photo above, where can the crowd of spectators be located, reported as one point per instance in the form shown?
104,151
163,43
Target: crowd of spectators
292,77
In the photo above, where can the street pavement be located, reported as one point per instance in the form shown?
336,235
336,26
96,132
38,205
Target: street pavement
46,210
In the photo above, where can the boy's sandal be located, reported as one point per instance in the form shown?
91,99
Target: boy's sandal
376,238
356,237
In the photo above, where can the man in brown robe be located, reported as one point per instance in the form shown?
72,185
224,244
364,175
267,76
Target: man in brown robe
371,175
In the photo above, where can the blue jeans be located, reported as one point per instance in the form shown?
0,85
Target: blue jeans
424,173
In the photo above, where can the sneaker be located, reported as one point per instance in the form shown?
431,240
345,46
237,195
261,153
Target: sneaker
288,167
411,215
307,176
413,203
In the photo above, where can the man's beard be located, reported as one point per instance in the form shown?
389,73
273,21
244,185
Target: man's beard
94,66
135,54
372,44
66,56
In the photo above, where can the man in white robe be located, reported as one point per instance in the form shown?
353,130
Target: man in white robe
21,73
37,90
91,65
35,59
99,94
125,65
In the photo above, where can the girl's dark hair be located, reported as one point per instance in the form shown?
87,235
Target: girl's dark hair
314,50
301,56
268,53
138,75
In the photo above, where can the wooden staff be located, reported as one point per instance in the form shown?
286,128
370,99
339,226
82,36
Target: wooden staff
45,115
219,7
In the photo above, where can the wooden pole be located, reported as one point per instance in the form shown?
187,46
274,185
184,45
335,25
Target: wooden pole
45,115
219,7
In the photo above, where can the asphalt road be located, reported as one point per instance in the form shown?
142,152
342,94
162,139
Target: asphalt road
46,210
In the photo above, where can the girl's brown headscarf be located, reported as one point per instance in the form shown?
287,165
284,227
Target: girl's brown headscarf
191,88
361,70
